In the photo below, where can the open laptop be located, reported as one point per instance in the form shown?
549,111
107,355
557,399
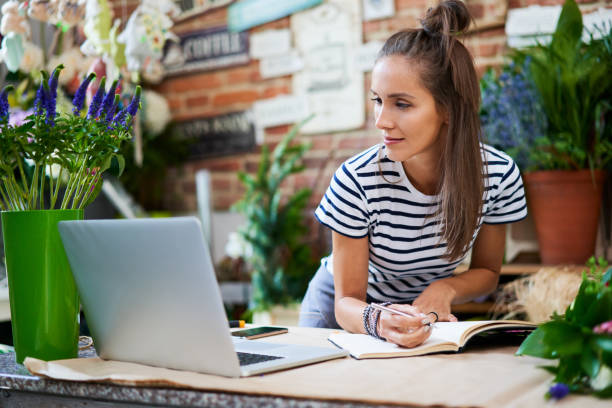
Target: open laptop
150,296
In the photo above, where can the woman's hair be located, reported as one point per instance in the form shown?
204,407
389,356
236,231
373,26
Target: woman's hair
447,71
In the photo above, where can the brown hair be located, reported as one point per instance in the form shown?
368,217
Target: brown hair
447,71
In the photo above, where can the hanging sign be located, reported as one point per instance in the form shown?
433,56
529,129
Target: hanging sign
279,65
270,42
280,110
219,135
204,50
190,8
250,13
377,9
327,37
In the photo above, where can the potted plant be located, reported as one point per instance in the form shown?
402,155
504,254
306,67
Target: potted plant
280,262
37,156
580,339
564,168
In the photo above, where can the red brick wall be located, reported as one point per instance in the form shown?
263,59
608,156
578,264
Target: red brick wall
234,89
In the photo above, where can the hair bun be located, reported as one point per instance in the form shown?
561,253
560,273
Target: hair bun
449,17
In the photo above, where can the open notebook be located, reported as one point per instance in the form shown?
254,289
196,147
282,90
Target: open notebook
446,336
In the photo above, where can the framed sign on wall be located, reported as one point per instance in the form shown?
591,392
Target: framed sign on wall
220,135
190,8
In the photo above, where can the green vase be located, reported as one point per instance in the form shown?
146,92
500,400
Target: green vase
43,295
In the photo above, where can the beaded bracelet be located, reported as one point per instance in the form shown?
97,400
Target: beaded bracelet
371,317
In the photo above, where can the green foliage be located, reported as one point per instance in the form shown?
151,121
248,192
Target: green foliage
51,148
281,263
577,339
575,85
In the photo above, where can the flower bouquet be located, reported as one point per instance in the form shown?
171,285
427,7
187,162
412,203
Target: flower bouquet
48,147
38,157
581,339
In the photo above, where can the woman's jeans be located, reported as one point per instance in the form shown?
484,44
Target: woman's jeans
318,304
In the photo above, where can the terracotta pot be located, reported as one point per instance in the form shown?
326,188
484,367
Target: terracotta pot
565,206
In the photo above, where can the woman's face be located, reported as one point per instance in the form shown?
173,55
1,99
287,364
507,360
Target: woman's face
405,111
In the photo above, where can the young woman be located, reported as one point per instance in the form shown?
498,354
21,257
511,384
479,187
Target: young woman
404,213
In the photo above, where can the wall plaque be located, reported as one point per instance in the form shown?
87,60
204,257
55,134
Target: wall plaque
250,13
219,135
207,49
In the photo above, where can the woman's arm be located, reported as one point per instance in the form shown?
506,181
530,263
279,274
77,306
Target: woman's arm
480,279
350,260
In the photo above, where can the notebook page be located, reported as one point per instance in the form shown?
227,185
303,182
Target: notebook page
443,333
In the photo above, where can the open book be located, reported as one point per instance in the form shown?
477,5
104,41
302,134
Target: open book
446,336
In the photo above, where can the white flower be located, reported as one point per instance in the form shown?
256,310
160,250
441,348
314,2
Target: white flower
32,60
237,247
156,112
603,378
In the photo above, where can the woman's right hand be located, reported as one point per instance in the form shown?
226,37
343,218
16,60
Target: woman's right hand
404,331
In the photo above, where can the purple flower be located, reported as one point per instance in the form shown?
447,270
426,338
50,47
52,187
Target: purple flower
119,119
558,391
79,97
4,105
135,103
108,101
111,112
603,328
40,100
51,102
92,113
17,116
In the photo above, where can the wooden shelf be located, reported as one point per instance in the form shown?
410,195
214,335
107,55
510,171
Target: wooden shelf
473,307
519,269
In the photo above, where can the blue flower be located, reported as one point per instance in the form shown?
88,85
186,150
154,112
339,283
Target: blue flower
108,101
4,105
42,95
119,119
79,97
94,107
558,391
111,111
512,115
135,103
51,102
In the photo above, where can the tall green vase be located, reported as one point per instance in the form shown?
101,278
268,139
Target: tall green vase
43,296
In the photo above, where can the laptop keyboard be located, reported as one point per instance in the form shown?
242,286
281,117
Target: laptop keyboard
249,358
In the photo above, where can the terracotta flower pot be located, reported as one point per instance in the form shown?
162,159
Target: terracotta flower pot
565,206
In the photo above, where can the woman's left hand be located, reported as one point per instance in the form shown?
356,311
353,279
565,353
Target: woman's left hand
437,297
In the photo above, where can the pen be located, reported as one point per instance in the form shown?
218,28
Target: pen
236,323
388,309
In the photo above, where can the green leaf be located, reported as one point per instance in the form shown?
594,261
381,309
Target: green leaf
94,194
553,339
589,362
600,309
534,345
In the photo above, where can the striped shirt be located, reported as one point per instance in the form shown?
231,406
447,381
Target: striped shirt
406,250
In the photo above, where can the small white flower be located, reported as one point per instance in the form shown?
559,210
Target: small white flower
237,247
603,378
156,112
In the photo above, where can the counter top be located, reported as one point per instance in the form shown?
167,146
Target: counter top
486,375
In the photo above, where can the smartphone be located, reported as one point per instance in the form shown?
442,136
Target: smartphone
257,332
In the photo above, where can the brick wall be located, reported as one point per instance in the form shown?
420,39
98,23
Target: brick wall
235,89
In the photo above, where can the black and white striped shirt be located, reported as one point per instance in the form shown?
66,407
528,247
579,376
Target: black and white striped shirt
406,253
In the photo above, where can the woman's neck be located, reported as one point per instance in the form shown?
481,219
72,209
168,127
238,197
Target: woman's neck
423,174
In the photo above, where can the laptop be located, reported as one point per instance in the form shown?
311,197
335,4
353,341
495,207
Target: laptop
150,295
